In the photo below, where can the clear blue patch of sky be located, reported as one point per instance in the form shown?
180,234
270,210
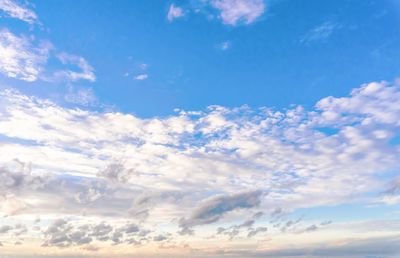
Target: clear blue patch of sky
266,64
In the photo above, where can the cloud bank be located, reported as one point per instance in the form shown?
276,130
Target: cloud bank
154,180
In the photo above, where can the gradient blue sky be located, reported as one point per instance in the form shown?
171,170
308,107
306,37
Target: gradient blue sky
202,128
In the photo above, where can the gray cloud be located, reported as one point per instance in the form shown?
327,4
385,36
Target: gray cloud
116,172
159,238
20,179
214,208
327,222
256,231
5,229
394,186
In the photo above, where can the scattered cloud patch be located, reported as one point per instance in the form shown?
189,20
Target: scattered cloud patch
19,59
233,11
14,10
225,45
174,12
320,32
141,77
87,71
83,97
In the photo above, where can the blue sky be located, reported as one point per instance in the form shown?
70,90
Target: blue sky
303,51
206,128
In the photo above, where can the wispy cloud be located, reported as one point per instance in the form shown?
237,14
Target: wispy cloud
87,71
174,12
20,59
15,10
320,32
84,96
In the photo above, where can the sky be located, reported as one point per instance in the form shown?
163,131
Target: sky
200,128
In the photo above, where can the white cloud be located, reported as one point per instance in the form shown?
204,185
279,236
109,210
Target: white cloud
86,70
84,97
20,59
141,77
16,11
174,12
115,166
233,11
225,45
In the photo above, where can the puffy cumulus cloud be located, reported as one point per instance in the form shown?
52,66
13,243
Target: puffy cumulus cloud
19,58
86,73
174,12
233,11
14,10
198,166
66,233
116,172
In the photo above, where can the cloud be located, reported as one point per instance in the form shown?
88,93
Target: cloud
87,71
16,11
174,12
225,45
84,97
5,229
256,231
113,166
20,59
394,186
212,209
320,32
12,205
141,77
233,11
21,178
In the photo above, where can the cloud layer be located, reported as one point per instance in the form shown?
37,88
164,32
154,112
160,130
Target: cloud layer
197,170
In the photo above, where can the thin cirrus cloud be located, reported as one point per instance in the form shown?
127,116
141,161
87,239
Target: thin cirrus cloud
17,11
320,32
154,171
